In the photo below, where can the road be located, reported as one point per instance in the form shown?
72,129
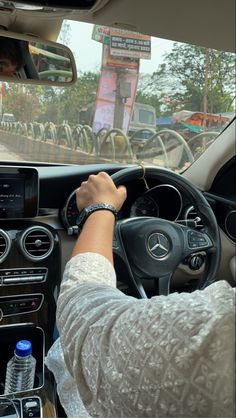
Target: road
6,155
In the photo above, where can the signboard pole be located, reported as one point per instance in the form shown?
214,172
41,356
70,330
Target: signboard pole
119,102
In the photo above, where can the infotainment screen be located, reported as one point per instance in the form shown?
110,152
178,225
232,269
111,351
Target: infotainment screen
18,192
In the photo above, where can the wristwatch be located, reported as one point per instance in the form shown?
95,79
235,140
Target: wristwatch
86,212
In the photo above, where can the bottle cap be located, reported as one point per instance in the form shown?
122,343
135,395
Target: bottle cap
23,348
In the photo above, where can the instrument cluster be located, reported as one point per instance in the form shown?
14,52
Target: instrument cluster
163,201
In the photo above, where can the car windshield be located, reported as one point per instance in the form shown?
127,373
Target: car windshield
137,99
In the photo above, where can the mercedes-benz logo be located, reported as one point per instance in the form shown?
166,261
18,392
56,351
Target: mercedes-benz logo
158,245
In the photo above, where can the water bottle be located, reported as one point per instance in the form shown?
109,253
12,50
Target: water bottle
20,369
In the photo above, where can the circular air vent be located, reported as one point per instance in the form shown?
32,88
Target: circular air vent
5,245
191,215
36,243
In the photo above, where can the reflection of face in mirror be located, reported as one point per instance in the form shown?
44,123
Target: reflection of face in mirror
11,59
23,59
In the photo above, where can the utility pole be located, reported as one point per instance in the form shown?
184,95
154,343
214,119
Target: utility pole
205,97
123,92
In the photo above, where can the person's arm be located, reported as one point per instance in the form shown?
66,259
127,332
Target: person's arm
96,235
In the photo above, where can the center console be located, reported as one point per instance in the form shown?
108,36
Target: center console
30,405
29,284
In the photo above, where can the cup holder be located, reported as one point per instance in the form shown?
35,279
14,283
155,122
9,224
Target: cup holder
9,335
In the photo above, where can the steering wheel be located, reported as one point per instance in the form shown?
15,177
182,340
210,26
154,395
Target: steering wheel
152,248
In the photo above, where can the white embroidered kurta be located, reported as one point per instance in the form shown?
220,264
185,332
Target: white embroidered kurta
169,356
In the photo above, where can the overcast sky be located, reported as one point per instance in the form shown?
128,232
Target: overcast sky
89,58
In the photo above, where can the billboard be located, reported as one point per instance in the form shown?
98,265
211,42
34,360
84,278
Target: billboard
109,60
125,43
101,34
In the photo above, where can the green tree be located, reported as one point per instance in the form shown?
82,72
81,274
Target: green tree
185,71
23,102
146,94
71,100
65,33
150,99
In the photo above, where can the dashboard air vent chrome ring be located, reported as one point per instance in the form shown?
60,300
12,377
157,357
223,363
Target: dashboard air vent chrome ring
5,245
36,243
191,215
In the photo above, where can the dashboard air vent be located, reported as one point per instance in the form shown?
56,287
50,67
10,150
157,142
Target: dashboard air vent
191,215
5,245
36,243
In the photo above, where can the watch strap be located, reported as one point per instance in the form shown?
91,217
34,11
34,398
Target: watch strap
86,212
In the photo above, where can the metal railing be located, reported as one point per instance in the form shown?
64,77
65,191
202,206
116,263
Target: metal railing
165,147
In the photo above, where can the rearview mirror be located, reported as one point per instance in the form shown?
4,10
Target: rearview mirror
26,59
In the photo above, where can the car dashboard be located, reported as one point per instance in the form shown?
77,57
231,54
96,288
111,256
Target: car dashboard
34,248
36,241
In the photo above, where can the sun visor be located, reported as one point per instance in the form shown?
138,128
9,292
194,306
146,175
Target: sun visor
47,5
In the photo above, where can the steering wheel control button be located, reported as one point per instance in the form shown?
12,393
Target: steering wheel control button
197,240
158,245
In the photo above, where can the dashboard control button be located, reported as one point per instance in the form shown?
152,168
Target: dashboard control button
31,407
20,305
23,276
196,262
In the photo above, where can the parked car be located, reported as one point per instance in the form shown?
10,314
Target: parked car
143,117
8,117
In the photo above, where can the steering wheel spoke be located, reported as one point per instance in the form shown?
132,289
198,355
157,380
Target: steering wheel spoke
117,246
119,250
164,284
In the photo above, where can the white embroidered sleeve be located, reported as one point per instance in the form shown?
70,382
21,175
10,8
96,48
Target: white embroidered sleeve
168,356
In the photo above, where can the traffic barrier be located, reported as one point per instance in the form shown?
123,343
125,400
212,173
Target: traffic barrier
50,132
39,131
177,149
116,145
166,147
29,149
85,139
201,142
90,139
30,130
64,135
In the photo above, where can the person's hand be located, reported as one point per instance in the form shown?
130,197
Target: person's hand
100,188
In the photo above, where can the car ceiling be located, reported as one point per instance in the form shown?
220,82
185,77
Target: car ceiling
209,23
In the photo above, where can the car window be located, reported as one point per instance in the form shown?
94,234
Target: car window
145,116
137,98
